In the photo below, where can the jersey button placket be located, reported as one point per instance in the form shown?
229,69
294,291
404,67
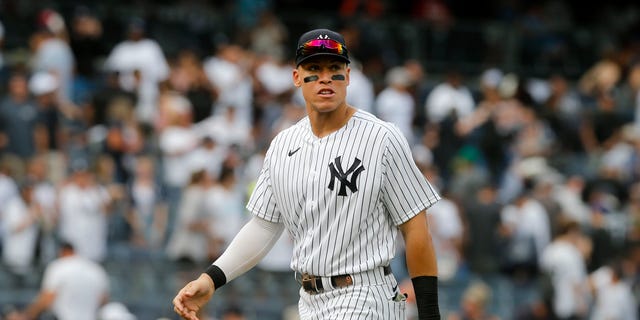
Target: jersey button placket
311,188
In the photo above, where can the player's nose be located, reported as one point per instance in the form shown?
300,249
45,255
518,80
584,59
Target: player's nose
325,76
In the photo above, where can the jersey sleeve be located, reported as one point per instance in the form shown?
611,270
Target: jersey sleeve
262,201
406,191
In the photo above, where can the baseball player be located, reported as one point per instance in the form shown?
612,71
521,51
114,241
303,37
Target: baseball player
342,183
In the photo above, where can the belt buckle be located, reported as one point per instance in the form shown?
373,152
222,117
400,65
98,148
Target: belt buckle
309,283
342,281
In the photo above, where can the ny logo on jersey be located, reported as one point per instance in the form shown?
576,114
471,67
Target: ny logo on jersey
338,173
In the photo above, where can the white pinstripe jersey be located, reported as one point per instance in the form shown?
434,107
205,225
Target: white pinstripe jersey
342,196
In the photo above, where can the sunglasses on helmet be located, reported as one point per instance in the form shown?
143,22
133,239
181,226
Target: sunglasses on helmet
321,46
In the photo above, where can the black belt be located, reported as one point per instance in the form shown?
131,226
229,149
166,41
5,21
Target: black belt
313,284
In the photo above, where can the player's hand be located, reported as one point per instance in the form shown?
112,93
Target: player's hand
191,299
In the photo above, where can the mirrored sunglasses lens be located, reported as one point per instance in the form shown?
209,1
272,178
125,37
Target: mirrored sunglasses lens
315,46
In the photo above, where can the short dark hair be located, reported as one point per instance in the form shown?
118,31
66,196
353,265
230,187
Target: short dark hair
567,225
66,246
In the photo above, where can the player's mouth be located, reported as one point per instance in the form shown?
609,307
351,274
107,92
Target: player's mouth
326,92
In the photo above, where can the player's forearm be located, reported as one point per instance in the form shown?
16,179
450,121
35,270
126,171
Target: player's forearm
421,257
248,247
422,266
42,302
420,254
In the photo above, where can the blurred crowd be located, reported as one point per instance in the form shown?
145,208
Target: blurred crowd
102,146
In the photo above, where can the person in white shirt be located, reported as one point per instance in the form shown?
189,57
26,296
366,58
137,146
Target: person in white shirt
192,232
8,186
228,128
73,288
569,196
54,55
224,201
176,143
83,212
209,155
20,230
142,66
563,261
177,140
526,220
450,96
8,190
447,231
395,104
228,72
361,91
614,298
45,196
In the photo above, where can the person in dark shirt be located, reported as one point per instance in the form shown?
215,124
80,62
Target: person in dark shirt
104,98
18,118
482,215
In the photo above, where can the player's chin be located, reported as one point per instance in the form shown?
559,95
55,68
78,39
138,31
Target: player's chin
326,106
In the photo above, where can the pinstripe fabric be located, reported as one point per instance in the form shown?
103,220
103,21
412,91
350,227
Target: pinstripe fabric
336,234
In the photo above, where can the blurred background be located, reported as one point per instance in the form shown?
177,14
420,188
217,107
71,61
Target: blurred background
135,130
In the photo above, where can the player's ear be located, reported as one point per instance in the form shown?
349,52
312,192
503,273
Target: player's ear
296,78
348,73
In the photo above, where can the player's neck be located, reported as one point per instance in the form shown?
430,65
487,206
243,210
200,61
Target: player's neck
323,124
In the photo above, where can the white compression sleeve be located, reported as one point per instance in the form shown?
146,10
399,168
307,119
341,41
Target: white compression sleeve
248,247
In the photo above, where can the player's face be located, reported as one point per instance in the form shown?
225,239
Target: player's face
324,82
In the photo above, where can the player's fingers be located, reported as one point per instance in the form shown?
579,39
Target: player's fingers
191,315
178,305
185,314
178,311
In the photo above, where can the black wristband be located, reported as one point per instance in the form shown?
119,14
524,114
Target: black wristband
217,275
426,291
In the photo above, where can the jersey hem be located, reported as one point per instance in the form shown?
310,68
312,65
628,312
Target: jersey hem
263,215
422,206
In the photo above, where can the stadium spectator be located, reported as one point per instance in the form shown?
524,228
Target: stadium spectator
52,53
188,78
21,221
228,70
45,196
395,103
83,212
147,210
614,298
192,240
141,64
475,304
19,118
88,44
73,287
563,261
176,142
